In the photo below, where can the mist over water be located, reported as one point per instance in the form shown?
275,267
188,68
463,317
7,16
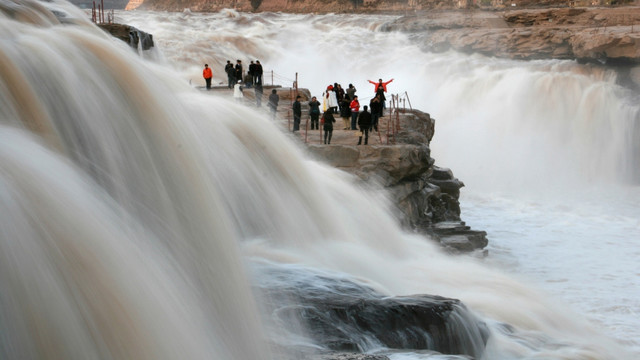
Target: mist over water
548,149
134,202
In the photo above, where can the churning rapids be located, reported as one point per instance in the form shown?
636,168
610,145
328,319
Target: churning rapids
138,212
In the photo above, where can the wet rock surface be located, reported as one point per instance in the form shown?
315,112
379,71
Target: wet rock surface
137,39
341,315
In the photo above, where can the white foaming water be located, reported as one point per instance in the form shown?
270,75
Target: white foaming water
127,194
546,148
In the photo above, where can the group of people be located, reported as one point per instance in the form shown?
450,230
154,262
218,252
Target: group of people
334,98
235,74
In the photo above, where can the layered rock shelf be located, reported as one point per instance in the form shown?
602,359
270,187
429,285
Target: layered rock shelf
600,35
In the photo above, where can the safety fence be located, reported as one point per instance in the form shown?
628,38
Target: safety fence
397,105
97,14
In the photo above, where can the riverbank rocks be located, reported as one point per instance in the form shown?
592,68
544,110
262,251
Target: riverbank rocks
599,35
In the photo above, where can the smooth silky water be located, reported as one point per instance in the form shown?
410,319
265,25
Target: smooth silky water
133,203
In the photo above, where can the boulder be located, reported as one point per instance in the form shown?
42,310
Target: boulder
343,315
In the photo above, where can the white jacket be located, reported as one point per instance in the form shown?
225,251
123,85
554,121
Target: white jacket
237,91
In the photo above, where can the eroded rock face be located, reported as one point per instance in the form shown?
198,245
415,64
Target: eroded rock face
588,35
336,313
424,194
137,39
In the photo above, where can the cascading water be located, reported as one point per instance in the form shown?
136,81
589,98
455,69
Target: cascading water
547,149
128,193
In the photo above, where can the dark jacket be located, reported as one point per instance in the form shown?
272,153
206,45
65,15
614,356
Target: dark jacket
314,107
345,112
274,99
380,93
364,120
230,70
297,109
376,107
328,119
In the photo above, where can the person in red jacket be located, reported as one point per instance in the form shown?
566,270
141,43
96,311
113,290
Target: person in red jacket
380,89
207,74
378,84
355,108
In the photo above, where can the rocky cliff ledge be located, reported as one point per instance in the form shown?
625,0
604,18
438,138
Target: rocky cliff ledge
137,39
426,196
602,35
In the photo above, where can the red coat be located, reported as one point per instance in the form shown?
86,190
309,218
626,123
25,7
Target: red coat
376,84
206,73
354,106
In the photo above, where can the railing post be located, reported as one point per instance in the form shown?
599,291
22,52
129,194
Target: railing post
409,100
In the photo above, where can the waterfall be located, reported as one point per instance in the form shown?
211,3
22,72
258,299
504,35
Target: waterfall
132,204
115,242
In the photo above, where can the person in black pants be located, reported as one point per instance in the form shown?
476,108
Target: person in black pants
297,113
231,74
327,121
364,122
314,112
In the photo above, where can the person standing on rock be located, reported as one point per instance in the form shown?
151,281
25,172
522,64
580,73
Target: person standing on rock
380,88
239,71
354,106
297,114
274,99
364,122
376,111
378,84
351,92
328,120
231,74
345,112
251,72
237,92
331,99
207,74
314,112
257,77
339,93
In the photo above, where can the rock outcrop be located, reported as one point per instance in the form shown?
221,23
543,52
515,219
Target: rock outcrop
341,315
426,196
137,39
606,36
